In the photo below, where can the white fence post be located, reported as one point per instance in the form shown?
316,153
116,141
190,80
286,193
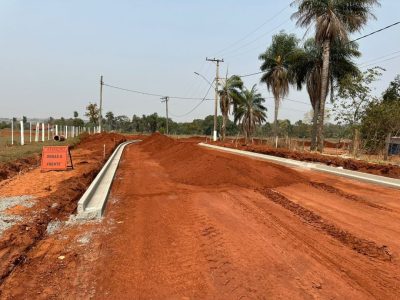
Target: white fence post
56,129
22,133
12,131
48,131
30,132
66,132
43,132
37,132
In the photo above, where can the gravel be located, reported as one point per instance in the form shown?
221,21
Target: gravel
53,226
8,220
85,239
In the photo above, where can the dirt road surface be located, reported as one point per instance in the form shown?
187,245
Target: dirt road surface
190,223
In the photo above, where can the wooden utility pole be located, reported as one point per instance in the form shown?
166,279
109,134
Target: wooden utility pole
217,61
101,102
387,146
165,99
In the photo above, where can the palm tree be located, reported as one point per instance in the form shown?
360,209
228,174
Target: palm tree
276,65
334,20
228,93
249,111
307,68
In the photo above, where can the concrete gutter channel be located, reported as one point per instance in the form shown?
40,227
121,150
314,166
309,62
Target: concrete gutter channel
92,203
380,180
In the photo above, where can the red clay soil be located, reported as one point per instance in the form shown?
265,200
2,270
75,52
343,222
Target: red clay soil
184,222
55,201
10,169
388,170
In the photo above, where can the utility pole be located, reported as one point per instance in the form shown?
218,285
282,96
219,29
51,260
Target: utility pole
101,102
217,61
165,99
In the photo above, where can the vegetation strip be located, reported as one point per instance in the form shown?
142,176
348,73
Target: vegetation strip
360,245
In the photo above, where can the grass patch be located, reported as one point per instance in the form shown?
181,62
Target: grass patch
10,153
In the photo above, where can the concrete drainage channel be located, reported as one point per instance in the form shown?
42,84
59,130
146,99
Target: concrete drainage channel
92,203
381,180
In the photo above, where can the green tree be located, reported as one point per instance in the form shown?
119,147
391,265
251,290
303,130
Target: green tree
353,98
249,111
333,20
277,60
76,114
392,93
92,112
381,118
110,120
228,93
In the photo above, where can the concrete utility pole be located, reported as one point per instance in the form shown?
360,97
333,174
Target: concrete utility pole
101,102
165,99
217,61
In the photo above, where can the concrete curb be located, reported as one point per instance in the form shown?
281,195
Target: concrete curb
380,180
92,203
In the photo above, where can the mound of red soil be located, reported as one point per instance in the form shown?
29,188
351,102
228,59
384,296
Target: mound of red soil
189,163
388,170
10,169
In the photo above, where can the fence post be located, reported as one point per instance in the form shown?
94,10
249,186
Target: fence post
56,129
387,145
30,132
12,131
22,133
43,132
37,132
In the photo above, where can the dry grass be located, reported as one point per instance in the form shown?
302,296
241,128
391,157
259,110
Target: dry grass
10,152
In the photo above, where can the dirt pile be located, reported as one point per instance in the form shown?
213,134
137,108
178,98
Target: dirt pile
10,169
388,170
189,163
16,242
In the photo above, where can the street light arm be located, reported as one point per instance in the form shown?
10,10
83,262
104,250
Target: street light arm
210,83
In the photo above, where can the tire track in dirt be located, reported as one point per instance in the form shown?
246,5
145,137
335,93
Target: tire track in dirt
213,247
360,245
349,269
332,190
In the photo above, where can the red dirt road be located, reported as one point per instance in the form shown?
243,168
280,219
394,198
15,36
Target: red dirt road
189,223
192,223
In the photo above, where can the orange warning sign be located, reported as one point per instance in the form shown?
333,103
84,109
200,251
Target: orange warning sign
55,158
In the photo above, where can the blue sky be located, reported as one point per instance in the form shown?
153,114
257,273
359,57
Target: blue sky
53,52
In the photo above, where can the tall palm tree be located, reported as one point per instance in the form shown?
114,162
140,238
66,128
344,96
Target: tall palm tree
228,93
334,20
307,68
276,65
249,111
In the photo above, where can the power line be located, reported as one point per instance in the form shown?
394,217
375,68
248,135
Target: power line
362,37
381,61
194,108
151,94
376,31
255,30
378,58
251,74
256,39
